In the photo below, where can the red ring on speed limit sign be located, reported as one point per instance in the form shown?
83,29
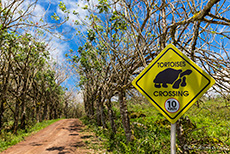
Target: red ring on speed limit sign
172,105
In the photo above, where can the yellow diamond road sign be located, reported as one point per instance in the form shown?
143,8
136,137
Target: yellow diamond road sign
172,83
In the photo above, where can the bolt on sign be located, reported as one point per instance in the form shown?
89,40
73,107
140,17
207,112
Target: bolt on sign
172,83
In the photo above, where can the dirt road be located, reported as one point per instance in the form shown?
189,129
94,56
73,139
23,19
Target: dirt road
62,137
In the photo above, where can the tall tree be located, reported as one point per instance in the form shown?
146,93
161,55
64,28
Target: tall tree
134,32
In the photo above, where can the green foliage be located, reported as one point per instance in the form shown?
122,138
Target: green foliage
203,128
117,22
103,6
85,7
55,17
91,35
75,13
30,82
62,6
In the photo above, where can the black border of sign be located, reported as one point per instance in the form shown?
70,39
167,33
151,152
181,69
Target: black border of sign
189,64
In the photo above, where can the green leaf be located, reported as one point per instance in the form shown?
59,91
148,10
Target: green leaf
91,35
55,17
62,6
85,7
75,13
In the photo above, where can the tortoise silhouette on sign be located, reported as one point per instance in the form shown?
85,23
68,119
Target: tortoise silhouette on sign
171,76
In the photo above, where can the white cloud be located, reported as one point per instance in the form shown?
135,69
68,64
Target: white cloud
39,11
79,96
77,6
6,3
58,48
74,6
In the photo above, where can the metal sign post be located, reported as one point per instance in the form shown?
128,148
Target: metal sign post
173,138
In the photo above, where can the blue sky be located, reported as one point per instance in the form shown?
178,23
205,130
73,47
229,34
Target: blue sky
59,48
62,47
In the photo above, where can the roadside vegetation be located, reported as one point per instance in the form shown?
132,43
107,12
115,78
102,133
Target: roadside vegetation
203,129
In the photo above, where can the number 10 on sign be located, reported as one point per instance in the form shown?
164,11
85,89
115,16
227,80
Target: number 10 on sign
172,105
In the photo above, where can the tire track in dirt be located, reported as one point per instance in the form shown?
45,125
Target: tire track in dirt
62,137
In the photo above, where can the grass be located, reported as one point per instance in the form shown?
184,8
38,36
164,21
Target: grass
210,126
8,139
205,129
213,116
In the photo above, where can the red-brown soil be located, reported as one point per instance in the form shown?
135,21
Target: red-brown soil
62,137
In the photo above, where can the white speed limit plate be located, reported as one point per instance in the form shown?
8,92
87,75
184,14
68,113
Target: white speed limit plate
172,105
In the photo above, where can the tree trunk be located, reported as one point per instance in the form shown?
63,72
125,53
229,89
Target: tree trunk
103,115
47,112
91,106
111,118
51,112
16,116
124,115
1,113
37,113
66,109
86,105
33,111
164,25
98,114
44,116
23,116
55,111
